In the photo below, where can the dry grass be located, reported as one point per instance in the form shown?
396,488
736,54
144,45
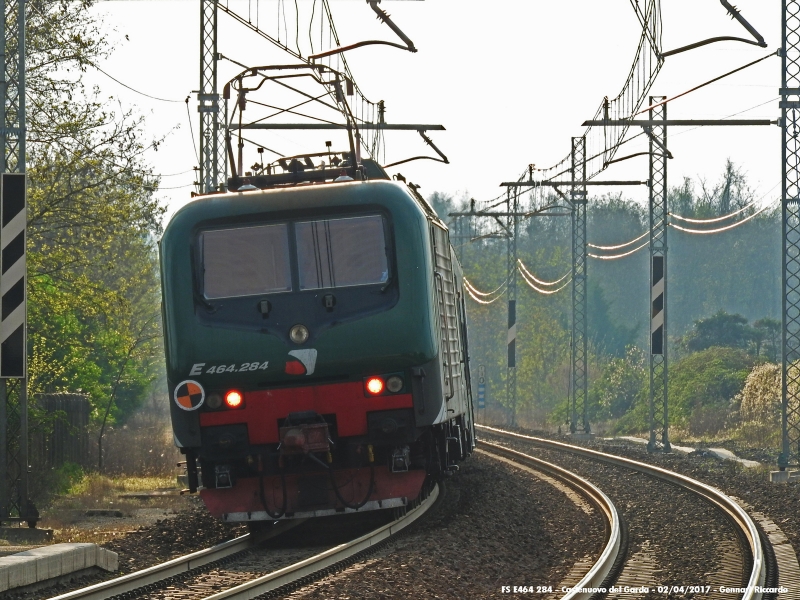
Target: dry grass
68,518
99,535
139,456
98,486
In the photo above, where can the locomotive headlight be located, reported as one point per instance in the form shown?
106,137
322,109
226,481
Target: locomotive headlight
234,399
375,386
214,400
394,384
298,334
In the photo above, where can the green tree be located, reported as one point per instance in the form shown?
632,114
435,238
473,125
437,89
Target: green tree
767,337
720,329
606,334
93,290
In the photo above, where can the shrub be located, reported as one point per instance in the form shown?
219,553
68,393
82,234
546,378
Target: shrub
760,399
622,384
758,419
706,381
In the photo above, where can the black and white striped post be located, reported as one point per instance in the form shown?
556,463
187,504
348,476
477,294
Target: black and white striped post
13,217
14,502
512,200
13,354
511,338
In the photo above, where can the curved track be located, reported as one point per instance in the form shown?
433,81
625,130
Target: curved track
746,527
141,580
599,572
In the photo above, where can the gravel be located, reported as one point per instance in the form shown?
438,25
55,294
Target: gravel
779,502
496,526
191,530
668,518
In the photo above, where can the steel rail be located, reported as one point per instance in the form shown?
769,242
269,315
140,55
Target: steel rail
176,566
255,587
324,560
717,498
601,568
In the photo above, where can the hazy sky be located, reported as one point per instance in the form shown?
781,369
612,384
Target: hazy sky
511,81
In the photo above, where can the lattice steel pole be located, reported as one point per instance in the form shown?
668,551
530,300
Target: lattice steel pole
14,502
790,117
580,384
659,414
512,202
212,135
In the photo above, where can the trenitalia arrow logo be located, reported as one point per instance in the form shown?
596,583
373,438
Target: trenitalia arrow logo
305,363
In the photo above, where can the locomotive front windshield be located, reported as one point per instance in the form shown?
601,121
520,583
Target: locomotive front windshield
246,261
330,253
341,252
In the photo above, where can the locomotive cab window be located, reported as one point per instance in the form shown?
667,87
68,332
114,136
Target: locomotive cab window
246,261
334,253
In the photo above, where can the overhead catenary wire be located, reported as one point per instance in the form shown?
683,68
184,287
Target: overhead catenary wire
702,85
157,188
540,290
724,217
499,289
741,112
539,281
310,25
686,230
616,256
726,228
133,89
713,220
128,169
619,246
476,298
479,301
191,131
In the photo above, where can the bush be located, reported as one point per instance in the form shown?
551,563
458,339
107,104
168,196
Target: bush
622,384
706,382
760,399
55,481
707,420
757,418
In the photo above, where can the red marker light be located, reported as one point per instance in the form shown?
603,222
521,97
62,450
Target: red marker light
375,385
234,399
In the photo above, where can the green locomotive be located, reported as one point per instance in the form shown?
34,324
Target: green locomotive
316,345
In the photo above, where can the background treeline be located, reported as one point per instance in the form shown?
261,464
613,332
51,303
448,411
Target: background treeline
93,221
723,308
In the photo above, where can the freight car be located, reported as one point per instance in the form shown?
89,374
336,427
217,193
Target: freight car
316,343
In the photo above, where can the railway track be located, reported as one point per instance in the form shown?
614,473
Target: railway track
602,572
191,570
758,572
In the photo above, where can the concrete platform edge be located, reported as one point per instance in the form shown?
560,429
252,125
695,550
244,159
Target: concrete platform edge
49,563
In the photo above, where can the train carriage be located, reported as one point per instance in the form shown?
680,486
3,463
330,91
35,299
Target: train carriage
315,336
